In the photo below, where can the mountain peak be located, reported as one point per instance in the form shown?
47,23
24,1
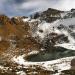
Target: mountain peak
49,15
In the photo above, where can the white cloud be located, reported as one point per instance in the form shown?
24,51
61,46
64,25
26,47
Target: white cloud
31,6
40,5
65,4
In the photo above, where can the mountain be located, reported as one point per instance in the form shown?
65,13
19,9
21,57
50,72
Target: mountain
41,44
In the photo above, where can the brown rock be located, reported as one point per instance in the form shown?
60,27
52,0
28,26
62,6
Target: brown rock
73,64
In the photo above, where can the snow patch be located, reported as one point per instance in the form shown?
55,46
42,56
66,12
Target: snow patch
20,59
67,46
26,19
33,52
21,73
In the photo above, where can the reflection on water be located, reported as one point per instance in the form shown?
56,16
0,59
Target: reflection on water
51,55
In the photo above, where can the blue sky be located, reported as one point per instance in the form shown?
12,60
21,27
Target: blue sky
27,7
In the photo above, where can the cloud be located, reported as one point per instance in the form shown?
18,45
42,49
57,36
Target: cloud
19,1
35,5
66,4
27,7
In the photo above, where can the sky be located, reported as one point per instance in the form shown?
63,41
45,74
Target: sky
28,7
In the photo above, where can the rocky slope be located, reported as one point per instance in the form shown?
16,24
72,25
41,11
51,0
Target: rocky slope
15,38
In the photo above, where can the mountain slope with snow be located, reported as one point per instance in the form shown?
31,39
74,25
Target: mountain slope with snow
43,44
65,27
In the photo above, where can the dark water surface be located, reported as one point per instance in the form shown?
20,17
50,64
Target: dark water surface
51,55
